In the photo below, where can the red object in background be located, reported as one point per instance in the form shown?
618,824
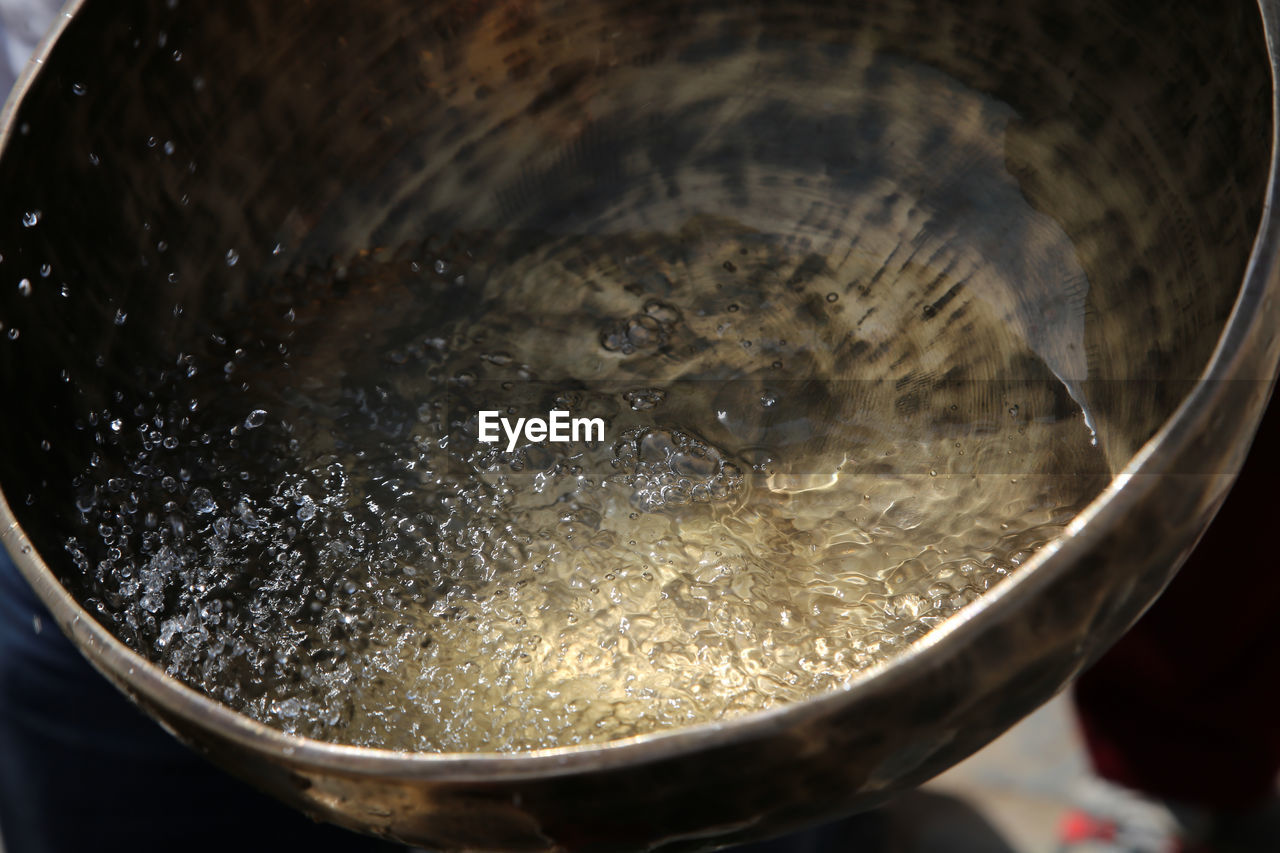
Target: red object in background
1186,707
1079,828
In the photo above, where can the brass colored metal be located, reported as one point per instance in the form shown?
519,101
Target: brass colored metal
296,118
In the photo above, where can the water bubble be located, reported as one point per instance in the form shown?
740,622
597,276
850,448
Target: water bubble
662,312
643,331
371,558
233,257
615,340
117,425
46,270
78,89
121,317
1013,411
833,296
247,515
87,500
256,418
643,399
31,218
24,287
202,501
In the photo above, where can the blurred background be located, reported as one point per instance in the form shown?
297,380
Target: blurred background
1032,791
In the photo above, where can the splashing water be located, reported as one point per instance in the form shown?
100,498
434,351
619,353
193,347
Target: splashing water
310,531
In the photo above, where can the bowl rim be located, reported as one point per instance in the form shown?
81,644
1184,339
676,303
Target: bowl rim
1261,284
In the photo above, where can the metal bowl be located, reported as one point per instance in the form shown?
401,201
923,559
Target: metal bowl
297,132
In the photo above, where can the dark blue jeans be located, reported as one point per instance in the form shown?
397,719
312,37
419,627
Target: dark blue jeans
82,770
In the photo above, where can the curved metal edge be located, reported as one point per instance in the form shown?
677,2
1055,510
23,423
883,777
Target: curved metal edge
32,67
1128,488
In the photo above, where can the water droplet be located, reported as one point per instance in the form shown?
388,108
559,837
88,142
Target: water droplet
233,257
256,418
202,501
832,297
31,218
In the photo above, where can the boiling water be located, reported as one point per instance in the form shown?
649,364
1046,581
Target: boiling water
837,411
